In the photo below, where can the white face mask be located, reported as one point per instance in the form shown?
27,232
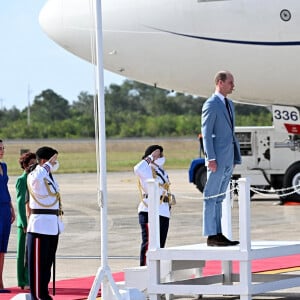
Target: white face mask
55,167
160,161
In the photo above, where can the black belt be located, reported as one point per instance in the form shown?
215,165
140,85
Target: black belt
164,198
45,212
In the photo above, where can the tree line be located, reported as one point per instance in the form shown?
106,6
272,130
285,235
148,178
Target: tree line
132,109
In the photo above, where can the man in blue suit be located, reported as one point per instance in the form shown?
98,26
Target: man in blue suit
222,152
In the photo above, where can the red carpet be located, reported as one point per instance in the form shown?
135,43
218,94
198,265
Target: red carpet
68,289
214,267
78,288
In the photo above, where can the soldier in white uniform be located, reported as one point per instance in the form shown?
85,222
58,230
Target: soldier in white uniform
44,223
151,166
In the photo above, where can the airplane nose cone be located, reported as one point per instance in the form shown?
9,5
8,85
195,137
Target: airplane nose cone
51,19
69,23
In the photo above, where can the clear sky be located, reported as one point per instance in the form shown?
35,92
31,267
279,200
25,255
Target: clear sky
31,62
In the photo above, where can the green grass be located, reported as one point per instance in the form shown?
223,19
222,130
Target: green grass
79,156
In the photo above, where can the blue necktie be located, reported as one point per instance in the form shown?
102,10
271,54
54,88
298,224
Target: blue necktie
228,110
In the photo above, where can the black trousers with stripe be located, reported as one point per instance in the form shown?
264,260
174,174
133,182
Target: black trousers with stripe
163,229
41,254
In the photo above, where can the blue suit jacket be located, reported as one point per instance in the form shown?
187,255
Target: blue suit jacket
219,140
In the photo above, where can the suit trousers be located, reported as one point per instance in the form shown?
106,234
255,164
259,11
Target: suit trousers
216,185
163,230
41,255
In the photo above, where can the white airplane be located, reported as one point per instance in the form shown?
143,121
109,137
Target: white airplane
180,44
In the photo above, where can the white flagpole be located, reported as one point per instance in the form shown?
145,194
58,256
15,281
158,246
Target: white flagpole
103,274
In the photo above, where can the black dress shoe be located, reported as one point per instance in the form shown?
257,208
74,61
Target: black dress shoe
220,240
224,238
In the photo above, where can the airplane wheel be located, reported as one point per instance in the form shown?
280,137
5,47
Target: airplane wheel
291,179
200,178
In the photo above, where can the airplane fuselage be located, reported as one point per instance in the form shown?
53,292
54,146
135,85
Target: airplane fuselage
180,45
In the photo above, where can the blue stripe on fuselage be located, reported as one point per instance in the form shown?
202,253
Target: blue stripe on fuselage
255,43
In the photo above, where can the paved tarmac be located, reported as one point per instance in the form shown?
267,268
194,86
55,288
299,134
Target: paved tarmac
79,249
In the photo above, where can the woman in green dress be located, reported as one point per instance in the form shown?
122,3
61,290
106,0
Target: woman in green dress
26,161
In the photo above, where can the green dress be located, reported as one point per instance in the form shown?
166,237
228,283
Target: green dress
22,270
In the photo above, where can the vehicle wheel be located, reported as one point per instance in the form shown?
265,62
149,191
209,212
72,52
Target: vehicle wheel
200,178
290,179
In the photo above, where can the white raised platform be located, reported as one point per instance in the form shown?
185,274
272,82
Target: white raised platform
199,252
243,283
